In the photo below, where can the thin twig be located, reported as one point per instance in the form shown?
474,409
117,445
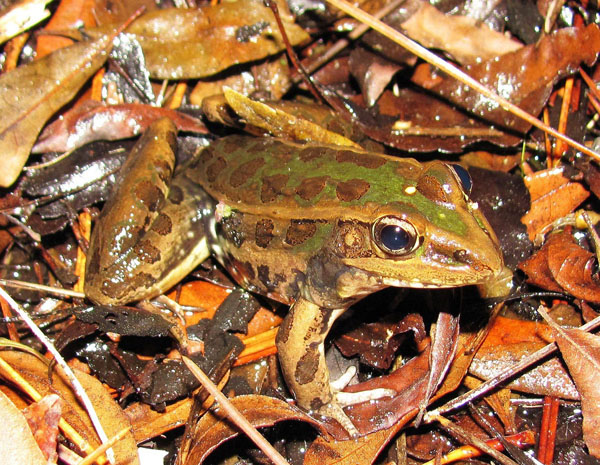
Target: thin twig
455,72
468,438
40,287
234,414
508,373
87,460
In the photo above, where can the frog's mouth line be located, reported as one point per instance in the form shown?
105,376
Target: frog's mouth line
461,277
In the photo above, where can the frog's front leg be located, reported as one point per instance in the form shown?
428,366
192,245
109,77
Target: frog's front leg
300,345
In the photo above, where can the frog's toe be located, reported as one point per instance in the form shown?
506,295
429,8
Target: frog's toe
350,398
335,411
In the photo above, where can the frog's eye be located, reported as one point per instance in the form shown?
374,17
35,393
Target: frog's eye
395,235
464,177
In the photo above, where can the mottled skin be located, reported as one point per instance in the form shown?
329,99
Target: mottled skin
299,223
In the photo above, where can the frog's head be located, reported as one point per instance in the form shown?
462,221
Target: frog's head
432,236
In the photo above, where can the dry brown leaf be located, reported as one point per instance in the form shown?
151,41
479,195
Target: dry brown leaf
466,39
552,197
17,444
562,265
93,120
32,93
148,423
213,429
43,417
363,450
547,379
581,352
193,43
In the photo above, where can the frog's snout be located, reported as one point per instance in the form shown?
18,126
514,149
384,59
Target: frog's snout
486,264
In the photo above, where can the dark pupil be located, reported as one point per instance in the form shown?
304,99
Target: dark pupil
394,237
465,178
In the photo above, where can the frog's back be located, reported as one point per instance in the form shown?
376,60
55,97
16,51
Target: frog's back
278,178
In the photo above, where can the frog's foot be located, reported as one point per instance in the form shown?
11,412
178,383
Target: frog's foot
334,409
350,398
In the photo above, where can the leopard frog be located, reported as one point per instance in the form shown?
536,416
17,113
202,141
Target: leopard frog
315,227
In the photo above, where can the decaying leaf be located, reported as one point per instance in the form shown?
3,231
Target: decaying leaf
525,77
32,93
43,417
93,121
581,352
562,265
192,43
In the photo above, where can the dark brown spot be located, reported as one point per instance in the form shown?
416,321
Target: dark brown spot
163,168
354,189
361,159
171,138
264,232
431,188
150,195
309,188
213,170
206,156
162,225
263,275
121,289
299,231
230,144
273,187
310,153
176,195
307,365
245,171
232,230
249,269
147,252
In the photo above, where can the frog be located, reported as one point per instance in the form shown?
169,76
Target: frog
314,226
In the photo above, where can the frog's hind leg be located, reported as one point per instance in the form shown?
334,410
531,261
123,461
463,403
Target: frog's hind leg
152,230
300,345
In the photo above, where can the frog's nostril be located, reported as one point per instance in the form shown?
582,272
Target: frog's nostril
468,258
461,255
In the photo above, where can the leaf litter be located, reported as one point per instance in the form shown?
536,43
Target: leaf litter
224,71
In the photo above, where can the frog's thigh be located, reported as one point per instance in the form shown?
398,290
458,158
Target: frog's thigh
300,345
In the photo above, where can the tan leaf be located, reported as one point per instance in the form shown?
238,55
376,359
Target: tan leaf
17,444
466,39
32,93
192,43
21,16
